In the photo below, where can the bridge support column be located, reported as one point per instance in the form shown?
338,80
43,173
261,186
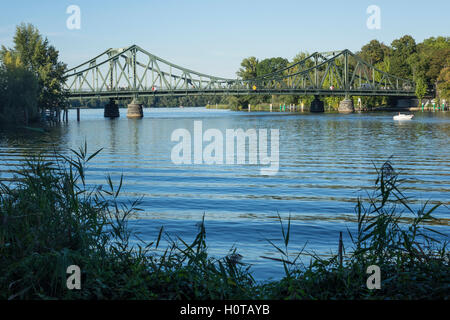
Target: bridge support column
346,106
111,109
135,110
317,105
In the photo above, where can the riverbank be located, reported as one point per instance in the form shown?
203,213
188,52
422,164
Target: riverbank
258,107
287,108
52,219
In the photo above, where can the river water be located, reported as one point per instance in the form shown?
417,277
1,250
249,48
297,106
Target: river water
326,162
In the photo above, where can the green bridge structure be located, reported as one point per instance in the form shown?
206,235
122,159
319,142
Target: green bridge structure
132,72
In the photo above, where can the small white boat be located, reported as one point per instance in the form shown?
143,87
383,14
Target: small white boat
403,116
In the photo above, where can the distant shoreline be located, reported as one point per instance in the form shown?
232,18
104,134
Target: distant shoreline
266,107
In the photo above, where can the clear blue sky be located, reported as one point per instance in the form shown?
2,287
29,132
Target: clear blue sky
214,36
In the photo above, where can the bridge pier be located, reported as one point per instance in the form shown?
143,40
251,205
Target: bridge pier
317,105
111,109
346,106
135,110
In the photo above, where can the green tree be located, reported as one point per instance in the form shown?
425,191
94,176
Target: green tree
248,68
302,56
443,84
270,65
374,52
37,56
430,59
305,99
421,89
18,91
402,49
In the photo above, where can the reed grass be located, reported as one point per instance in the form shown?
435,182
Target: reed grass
50,219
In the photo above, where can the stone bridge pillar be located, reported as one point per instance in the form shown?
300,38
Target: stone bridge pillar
135,110
111,109
317,105
346,106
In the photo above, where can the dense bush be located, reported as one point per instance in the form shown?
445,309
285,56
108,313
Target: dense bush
18,95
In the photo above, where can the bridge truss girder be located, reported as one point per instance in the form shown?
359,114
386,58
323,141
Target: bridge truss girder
133,72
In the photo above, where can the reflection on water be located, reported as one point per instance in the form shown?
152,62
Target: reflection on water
325,163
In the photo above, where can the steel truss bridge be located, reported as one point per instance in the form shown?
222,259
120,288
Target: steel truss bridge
132,72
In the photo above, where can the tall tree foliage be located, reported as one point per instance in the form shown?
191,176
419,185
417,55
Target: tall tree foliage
444,82
430,59
39,57
402,49
248,68
18,91
374,52
270,65
421,88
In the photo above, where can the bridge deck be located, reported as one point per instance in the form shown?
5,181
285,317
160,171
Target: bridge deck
126,94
